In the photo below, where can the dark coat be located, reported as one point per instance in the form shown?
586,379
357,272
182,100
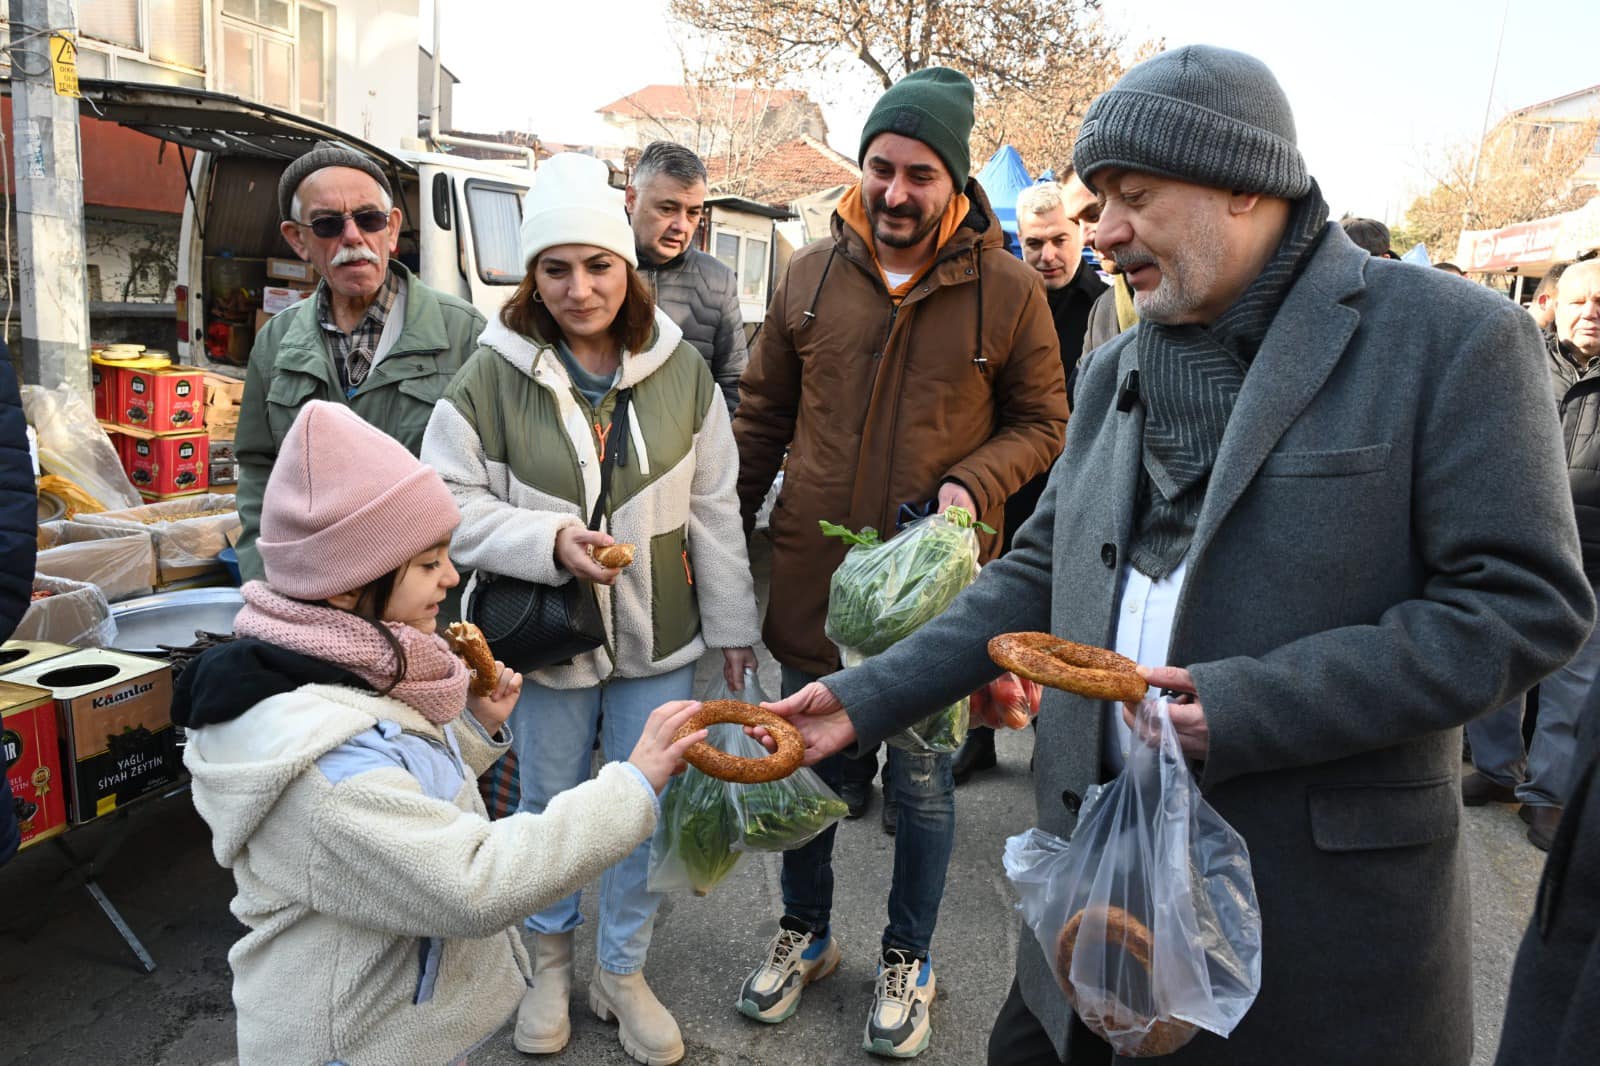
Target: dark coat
1069,310
1578,399
1386,551
1553,1009
19,503
701,294
879,403
19,519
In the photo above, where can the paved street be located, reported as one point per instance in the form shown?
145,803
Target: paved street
69,992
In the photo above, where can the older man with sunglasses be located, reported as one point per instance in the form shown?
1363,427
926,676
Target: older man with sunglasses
372,335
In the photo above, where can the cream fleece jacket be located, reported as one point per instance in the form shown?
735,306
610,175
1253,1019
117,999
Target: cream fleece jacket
381,918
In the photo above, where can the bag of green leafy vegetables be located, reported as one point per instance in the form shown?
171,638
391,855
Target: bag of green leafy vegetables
693,846
884,591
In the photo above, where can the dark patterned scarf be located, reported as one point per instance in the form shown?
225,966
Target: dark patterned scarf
1189,378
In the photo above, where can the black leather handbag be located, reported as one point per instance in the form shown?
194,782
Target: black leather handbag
530,626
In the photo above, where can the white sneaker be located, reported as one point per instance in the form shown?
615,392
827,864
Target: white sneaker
898,1026
795,958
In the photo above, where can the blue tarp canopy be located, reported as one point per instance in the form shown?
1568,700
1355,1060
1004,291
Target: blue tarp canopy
1002,178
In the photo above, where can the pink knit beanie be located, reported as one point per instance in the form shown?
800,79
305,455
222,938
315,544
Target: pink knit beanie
346,504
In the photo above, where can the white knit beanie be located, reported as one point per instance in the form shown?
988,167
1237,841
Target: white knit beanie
572,202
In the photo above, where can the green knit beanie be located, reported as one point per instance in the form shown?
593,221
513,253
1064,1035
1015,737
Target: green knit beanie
933,106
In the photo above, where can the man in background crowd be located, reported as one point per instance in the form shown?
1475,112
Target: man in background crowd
1369,234
1543,305
19,519
666,201
1539,775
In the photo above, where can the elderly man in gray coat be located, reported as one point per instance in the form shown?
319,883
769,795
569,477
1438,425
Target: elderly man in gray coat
1321,495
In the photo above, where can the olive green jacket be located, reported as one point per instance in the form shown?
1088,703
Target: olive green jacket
516,443
290,365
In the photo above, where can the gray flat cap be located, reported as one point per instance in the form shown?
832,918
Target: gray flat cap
326,154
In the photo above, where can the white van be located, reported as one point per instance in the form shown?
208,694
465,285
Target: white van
460,217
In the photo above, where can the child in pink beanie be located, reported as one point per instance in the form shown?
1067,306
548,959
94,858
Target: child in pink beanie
332,761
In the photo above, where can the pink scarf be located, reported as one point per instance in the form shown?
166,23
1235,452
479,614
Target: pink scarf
435,682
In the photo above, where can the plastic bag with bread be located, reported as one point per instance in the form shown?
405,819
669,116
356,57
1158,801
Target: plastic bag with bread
1148,916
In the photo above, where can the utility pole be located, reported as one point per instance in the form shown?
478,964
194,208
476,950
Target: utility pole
47,184
1471,206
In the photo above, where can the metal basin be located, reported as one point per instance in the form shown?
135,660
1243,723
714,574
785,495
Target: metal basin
171,618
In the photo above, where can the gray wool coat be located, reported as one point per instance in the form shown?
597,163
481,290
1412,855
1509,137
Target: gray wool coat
1387,549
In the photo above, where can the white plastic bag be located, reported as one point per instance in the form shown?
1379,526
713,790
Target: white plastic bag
72,445
1149,915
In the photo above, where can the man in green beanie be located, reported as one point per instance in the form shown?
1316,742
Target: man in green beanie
1320,496
908,365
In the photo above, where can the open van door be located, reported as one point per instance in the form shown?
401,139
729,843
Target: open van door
233,151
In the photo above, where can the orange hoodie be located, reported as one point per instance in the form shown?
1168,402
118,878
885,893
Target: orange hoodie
853,211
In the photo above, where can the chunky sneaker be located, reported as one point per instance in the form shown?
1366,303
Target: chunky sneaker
795,958
898,1026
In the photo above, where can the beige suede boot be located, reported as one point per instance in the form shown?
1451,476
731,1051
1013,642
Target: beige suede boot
543,1027
647,1031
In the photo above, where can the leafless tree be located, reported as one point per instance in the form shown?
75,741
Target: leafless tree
1525,171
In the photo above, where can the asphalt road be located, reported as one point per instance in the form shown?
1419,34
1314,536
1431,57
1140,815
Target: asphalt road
69,992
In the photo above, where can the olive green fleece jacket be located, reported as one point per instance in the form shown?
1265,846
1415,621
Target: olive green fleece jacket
290,365
517,445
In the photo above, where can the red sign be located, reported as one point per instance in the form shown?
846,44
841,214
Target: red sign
1516,246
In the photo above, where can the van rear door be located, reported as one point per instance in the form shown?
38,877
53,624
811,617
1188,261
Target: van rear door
230,222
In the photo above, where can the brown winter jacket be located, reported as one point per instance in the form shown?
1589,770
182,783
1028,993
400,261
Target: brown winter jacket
878,405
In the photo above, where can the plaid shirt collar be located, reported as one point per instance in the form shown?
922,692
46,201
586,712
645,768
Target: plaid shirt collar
364,337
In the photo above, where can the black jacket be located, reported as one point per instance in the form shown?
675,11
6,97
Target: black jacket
1553,1008
701,295
1069,310
19,519
1578,399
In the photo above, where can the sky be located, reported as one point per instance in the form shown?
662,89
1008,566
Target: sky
1379,89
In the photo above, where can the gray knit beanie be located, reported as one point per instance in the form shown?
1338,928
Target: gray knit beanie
1200,114
325,154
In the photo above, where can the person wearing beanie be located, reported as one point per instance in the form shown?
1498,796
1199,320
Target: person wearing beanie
339,215
908,365
332,761
1267,499
579,372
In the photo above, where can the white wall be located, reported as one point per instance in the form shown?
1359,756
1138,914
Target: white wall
375,70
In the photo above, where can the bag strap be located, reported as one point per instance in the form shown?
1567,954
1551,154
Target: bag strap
616,451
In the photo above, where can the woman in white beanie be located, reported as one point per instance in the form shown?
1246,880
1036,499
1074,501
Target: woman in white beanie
518,438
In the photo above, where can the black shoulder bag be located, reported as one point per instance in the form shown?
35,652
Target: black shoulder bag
530,626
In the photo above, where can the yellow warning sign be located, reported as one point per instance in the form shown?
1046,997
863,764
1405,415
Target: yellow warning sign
64,63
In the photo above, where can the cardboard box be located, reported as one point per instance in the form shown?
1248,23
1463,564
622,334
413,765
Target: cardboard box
222,423
188,532
292,270
115,714
169,466
15,654
30,757
275,298
122,562
168,400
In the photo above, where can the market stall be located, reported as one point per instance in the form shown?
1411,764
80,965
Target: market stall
134,539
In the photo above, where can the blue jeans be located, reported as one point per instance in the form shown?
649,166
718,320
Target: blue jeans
925,790
554,732
1540,772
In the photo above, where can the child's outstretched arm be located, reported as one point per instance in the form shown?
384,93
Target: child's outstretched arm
385,855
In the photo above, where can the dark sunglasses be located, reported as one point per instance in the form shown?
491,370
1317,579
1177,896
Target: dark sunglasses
332,225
